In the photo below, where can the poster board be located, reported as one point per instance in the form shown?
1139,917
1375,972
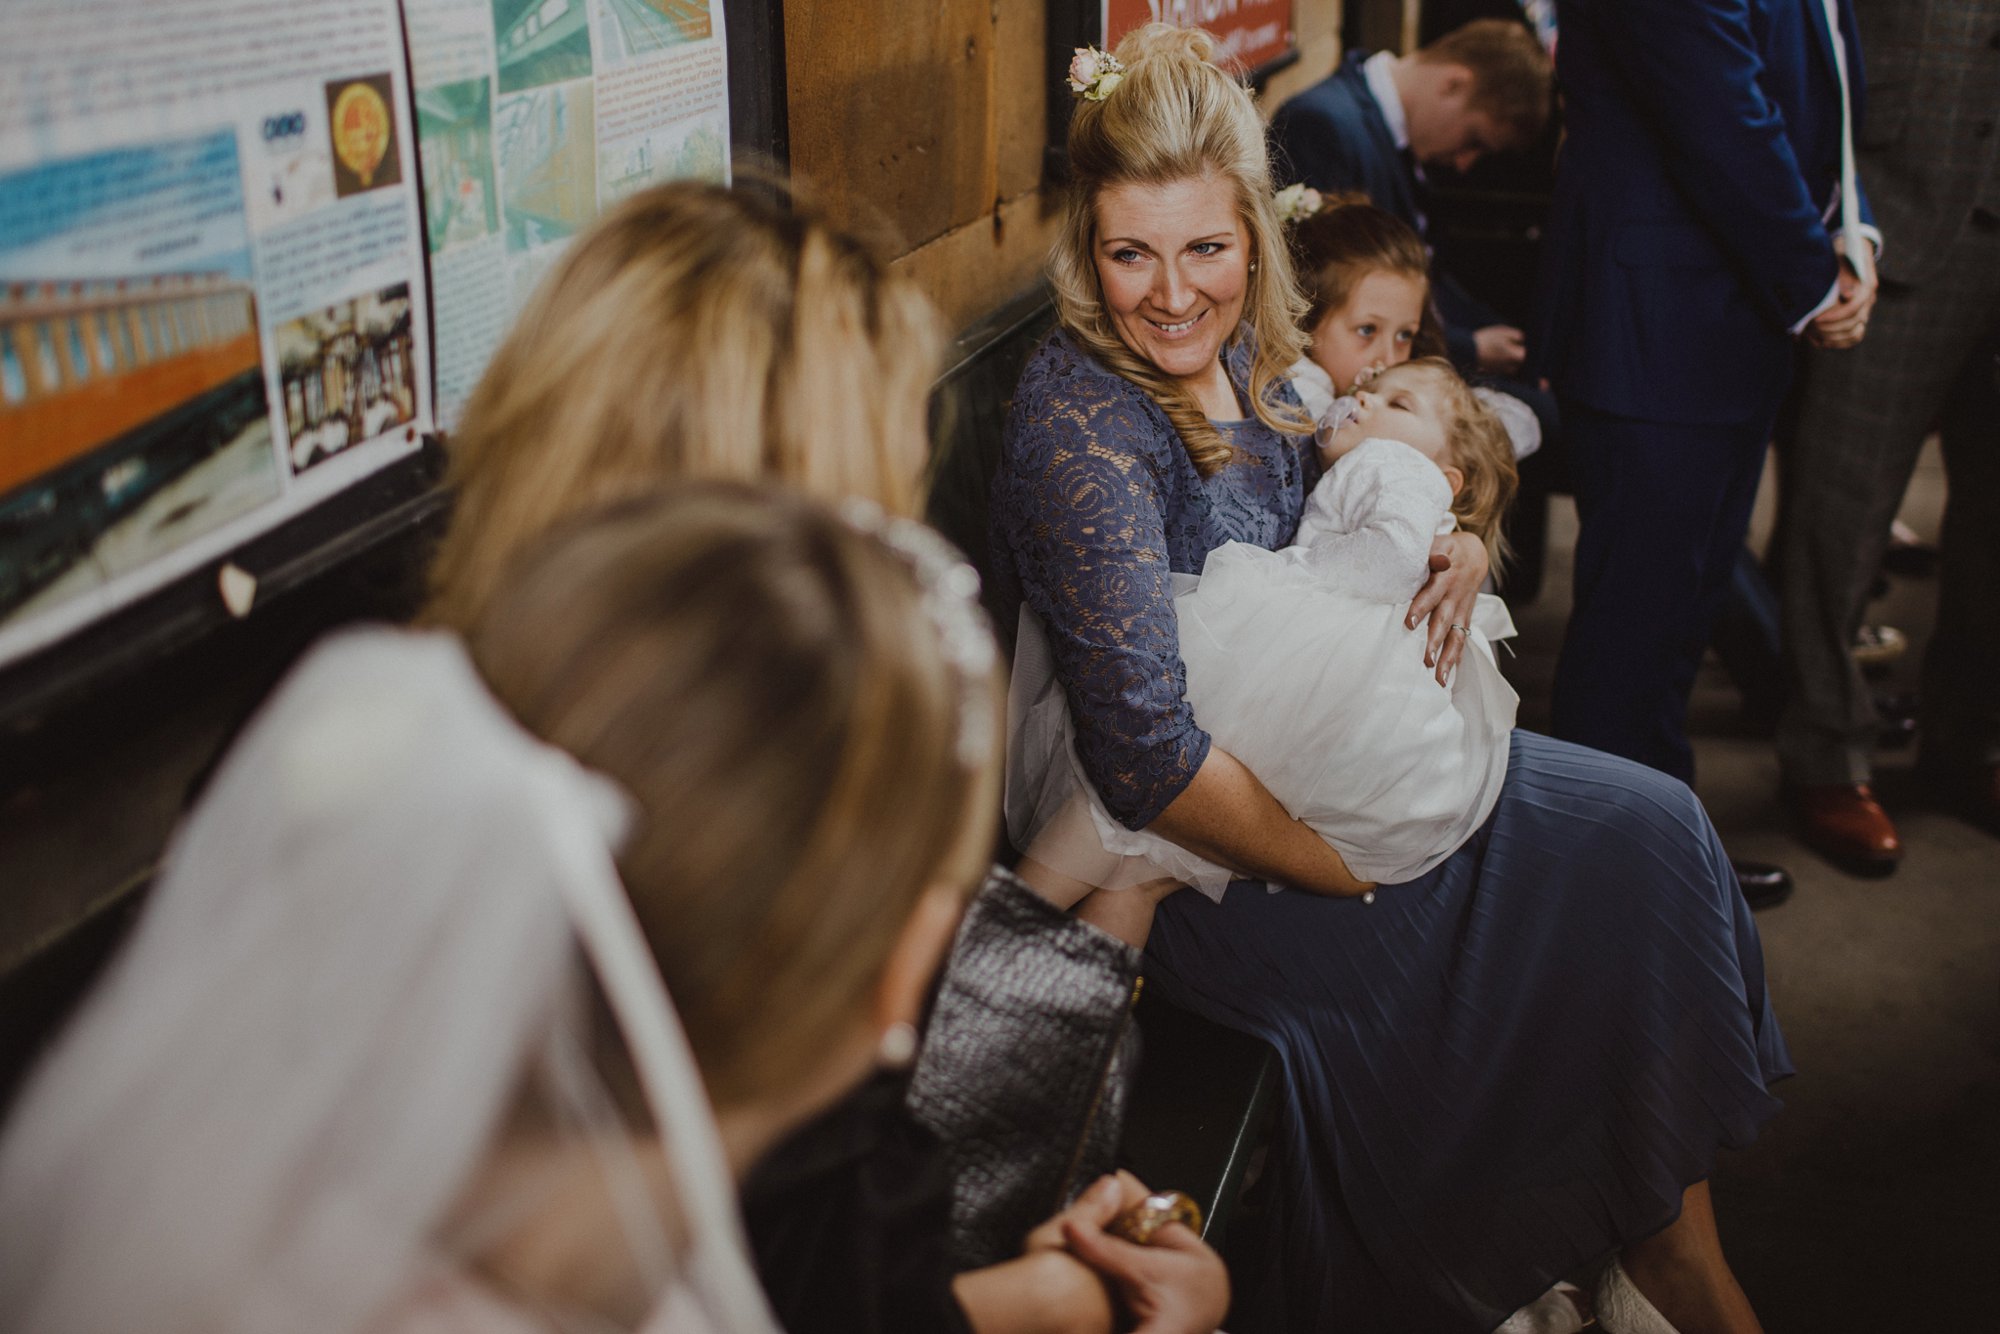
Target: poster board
533,116
254,252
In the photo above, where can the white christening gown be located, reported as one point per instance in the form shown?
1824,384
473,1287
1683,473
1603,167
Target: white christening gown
1300,666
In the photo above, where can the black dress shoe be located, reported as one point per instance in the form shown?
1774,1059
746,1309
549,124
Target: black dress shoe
1763,884
1911,560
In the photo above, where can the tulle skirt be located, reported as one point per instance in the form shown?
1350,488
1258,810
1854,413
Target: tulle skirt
1497,1072
1321,694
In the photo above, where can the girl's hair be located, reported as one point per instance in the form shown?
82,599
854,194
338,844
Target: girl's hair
1348,239
694,331
1173,117
1481,450
767,683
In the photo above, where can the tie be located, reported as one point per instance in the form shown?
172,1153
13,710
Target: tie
1420,190
1852,243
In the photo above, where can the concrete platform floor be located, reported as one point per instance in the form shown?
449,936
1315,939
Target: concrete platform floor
1872,1202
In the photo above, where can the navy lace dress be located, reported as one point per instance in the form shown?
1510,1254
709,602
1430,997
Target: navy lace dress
1498,1072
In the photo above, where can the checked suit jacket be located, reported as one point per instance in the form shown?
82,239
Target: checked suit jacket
1929,150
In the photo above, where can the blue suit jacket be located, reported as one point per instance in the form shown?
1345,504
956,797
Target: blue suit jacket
1685,237
1332,137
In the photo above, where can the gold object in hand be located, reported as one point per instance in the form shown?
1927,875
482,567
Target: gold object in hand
1140,1223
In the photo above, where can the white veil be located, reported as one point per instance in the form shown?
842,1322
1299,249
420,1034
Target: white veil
372,931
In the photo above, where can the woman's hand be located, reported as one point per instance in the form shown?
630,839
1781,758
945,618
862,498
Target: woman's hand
1175,1285
1501,347
1447,598
1107,1197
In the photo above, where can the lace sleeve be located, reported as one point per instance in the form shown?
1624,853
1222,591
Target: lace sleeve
1081,502
1370,522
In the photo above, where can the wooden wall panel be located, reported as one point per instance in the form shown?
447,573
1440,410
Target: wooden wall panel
972,270
1316,28
891,108
928,117
1020,100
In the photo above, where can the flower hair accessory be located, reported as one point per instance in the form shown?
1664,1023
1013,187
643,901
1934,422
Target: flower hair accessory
1297,202
948,592
1094,73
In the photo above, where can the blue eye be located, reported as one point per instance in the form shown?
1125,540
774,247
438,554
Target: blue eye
1364,331
1124,255
1207,247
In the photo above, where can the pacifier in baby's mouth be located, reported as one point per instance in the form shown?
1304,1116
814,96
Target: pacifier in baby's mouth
1342,411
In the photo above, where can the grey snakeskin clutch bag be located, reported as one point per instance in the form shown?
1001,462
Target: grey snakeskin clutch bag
1025,1065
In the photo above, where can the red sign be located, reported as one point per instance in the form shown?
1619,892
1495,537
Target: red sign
1252,32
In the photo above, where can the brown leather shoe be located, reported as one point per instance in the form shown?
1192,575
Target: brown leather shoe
1844,823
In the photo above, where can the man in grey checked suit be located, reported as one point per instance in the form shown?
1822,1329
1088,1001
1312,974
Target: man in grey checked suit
1929,157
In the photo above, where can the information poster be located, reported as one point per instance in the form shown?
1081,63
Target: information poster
1253,33
534,116
213,311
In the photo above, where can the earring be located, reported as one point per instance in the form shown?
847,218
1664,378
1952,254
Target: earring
1253,266
897,1047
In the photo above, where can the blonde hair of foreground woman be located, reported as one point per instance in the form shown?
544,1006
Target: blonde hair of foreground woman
1173,117
694,331
767,683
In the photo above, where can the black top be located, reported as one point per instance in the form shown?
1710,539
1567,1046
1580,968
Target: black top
849,1218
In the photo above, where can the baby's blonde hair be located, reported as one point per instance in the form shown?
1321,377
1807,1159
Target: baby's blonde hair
1478,446
1177,116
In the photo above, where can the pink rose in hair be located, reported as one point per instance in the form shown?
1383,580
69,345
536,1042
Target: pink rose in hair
1094,73
1082,69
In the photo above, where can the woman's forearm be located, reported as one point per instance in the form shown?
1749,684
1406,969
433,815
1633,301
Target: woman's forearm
1229,817
1042,1292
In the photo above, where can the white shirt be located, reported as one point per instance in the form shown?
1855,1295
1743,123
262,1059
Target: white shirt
1840,204
1379,70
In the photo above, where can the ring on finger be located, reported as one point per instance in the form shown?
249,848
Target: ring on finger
1140,1223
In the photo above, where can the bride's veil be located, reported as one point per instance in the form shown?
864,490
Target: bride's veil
383,921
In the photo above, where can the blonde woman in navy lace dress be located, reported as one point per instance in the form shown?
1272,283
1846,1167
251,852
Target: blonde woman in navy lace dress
1497,1074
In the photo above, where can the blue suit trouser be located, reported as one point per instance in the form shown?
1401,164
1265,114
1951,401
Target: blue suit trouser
1664,507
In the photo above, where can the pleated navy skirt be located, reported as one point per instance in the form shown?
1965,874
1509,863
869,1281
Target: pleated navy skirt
1501,1071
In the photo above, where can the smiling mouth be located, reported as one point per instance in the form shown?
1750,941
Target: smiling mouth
1175,330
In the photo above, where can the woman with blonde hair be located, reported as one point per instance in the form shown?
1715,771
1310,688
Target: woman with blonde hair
390,1051
702,333
693,332
1498,1072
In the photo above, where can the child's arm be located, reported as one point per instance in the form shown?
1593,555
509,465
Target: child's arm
1370,524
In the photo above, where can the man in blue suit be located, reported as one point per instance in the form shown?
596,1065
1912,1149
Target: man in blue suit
1698,228
1377,120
